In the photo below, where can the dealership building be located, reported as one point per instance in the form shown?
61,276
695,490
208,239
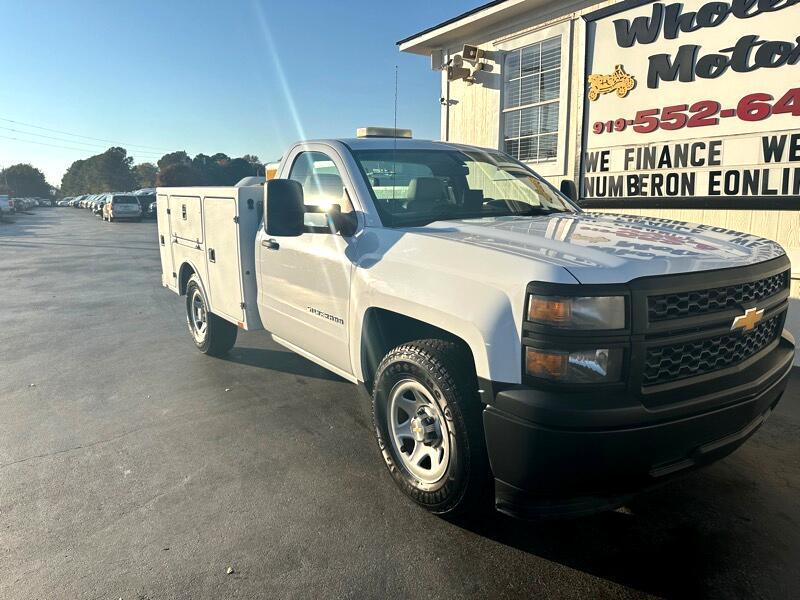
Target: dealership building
686,111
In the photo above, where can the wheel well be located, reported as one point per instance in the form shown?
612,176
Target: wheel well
183,277
384,329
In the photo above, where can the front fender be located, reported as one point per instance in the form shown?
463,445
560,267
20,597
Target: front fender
475,294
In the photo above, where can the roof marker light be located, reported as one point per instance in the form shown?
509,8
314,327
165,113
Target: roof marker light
383,132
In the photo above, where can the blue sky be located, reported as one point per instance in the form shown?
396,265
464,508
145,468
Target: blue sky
205,76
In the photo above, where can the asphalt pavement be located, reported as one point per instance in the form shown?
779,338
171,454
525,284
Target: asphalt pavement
132,466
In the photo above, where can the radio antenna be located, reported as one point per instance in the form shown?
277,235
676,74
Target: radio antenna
394,137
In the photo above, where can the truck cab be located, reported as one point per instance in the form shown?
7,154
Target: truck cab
508,340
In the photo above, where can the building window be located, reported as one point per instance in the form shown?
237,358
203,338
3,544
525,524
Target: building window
532,82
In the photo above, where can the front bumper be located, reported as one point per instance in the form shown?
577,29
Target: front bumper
569,453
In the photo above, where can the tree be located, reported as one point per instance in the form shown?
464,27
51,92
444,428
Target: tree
110,171
239,168
146,174
180,175
174,158
24,181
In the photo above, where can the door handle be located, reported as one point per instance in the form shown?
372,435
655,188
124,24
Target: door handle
271,244
212,255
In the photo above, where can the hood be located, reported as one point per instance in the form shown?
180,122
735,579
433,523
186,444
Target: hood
607,248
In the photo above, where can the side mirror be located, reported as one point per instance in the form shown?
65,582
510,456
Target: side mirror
344,224
569,189
283,207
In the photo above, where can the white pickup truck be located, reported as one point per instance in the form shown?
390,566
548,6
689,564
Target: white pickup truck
511,343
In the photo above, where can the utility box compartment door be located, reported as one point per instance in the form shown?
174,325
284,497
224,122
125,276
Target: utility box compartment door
168,276
224,283
186,219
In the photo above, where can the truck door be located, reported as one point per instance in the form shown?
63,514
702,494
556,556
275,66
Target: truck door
305,280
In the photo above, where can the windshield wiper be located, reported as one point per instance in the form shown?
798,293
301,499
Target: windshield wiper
421,220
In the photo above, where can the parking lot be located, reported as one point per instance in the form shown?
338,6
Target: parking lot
132,466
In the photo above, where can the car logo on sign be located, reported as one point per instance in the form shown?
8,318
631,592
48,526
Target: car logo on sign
748,320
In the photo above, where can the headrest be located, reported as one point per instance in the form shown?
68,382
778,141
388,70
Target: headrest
323,185
427,189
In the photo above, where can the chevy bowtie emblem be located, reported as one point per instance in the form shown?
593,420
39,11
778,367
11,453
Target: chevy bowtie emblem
748,320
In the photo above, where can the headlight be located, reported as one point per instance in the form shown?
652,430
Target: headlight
602,365
578,312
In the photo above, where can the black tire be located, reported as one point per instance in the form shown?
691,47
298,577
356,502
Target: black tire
219,335
445,369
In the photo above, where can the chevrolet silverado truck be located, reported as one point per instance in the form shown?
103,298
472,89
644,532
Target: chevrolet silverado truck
512,344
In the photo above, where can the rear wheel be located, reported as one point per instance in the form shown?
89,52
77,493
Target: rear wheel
211,334
427,419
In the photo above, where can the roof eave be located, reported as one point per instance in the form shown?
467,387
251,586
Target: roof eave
416,44
468,26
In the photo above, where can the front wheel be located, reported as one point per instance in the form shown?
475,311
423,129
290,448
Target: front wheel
211,334
427,418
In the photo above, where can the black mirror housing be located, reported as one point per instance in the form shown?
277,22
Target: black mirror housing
344,224
569,189
283,207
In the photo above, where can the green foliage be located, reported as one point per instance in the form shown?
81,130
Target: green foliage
110,171
174,158
24,181
218,169
146,175
113,171
179,175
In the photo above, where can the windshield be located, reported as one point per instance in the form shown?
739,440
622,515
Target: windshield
416,187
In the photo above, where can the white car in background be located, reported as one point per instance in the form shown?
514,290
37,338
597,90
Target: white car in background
121,206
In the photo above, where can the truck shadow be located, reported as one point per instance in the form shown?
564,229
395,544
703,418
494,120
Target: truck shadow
279,360
722,531
669,542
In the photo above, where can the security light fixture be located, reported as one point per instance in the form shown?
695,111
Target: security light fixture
471,53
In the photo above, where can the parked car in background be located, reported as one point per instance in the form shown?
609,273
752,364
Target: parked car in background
122,206
152,210
23,204
98,209
145,200
5,205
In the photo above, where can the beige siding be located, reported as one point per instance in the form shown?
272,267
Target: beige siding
474,119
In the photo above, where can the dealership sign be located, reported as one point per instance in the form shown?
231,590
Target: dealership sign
693,104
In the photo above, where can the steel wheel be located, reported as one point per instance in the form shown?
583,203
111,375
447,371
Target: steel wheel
197,315
419,431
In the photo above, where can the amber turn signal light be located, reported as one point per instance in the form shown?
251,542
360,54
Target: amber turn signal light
551,365
549,310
